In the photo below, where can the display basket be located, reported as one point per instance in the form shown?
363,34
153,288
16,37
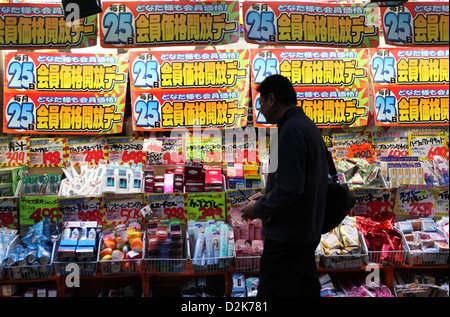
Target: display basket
210,265
115,267
421,258
62,268
166,265
248,263
30,272
394,257
346,261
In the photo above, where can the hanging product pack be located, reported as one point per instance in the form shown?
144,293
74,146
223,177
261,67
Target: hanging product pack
339,199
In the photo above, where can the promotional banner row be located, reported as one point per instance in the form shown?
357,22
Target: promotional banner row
58,152
411,200
64,93
135,24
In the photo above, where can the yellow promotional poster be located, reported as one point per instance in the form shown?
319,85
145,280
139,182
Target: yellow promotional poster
133,24
205,206
311,23
332,85
59,93
416,23
31,25
416,200
187,89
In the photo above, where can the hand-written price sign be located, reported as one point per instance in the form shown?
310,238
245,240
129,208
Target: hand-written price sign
120,209
352,145
168,151
48,152
82,209
426,146
373,201
90,150
442,202
167,205
14,151
390,144
416,200
126,150
34,209
237,199
364,151
8,213
205,206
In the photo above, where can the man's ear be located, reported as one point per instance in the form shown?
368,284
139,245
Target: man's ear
271,99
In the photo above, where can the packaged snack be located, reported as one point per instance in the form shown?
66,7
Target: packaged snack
405,226
428,225
416,224
441,246
427,244
414,245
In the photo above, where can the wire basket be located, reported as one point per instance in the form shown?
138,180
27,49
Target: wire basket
210,265
394,257
30,272
115,267
84,268
248,263
346,261
421,258
166,265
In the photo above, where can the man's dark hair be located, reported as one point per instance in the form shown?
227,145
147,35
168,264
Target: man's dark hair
281,87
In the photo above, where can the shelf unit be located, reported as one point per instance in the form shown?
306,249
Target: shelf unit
91,285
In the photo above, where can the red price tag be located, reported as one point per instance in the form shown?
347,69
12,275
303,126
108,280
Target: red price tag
210,212
16,158
6,219
41,213
90,215
364,151
127,214
421,209
439,151
398,153
173,158
175,212
94,156
51,158
377,207
133,156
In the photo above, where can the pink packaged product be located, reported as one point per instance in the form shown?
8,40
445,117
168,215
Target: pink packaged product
243,247
258,247
213,176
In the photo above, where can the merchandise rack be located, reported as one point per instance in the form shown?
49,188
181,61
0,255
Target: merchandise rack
144,278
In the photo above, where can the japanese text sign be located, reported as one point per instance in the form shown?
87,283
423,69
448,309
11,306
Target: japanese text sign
64,93
162,23
43,25
332,85
310,23
185,89
416,23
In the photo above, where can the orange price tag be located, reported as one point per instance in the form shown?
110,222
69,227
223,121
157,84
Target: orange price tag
364,151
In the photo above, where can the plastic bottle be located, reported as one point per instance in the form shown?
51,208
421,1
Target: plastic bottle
198,252
209,246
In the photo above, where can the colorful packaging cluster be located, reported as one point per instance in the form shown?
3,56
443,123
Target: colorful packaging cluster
381,237
122,242
244,286
344,239
351,288
35,248
427,244
165,239
6,236
210,241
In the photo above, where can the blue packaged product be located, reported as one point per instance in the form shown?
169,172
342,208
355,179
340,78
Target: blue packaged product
43,254
31,254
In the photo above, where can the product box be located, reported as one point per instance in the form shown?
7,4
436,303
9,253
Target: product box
193,173
213,176
253,181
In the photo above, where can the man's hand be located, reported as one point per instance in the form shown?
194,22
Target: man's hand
248,212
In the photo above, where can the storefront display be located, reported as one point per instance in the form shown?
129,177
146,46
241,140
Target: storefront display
131,140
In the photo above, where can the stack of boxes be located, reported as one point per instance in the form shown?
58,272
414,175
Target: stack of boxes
78,241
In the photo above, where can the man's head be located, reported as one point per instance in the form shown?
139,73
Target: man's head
276,96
